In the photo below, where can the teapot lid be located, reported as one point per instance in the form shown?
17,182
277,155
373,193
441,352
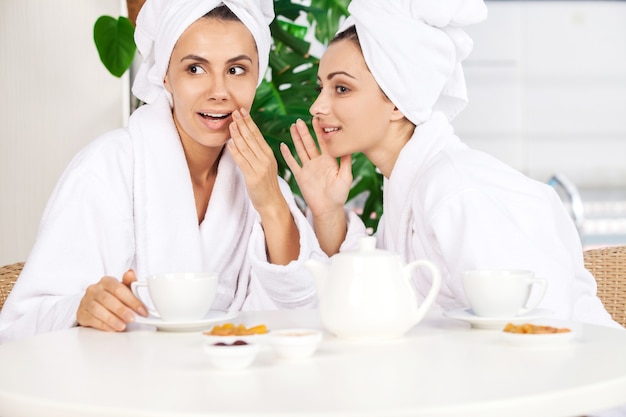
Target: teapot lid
367,252
367,248
367,243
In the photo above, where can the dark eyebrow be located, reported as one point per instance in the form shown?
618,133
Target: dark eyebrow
332,74
203,60
193,58
239,58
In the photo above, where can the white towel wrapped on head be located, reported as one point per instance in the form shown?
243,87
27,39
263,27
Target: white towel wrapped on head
161,22
414,50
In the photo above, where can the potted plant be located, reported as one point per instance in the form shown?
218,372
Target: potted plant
284,96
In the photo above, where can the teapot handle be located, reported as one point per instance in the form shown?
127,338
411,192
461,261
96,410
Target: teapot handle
434,289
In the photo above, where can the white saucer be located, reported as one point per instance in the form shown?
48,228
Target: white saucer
213,316
490,323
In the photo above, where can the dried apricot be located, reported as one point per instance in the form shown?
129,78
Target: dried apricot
528,328
230,329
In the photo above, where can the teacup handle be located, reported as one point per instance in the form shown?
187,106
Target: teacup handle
134,287
532,281
434,289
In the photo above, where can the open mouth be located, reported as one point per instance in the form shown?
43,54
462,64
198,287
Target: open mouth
214,116
330,129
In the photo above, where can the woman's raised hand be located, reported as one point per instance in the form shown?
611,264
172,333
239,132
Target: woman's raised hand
109,304
256,161
324,183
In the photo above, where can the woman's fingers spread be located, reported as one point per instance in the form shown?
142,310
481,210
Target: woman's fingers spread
289,159
303,141
297,142
307,139
318,133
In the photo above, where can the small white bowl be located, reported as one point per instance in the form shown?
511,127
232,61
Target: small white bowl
230,339
230,356
295,343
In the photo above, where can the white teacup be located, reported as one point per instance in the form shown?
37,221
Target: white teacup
184,296
502,293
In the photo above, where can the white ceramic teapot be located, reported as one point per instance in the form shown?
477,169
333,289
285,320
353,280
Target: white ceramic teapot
367,294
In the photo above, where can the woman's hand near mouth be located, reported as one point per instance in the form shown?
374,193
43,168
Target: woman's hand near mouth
325,184
256,161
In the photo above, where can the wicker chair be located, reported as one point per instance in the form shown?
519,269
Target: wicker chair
608,266
8,276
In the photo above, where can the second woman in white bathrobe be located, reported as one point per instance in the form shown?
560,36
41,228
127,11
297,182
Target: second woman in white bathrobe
391,81
173,191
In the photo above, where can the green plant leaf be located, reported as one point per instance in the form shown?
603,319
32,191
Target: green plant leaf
114,39
288,9
287,34
367,180
326,16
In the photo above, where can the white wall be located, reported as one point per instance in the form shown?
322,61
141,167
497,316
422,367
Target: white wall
55,96
547,87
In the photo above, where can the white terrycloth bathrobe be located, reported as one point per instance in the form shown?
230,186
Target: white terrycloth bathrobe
126,201
460,208
463,209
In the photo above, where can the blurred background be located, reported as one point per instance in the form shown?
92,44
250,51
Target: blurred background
546,81
547,88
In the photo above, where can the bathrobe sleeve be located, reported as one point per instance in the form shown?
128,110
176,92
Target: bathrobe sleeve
283,286
86,232
355,229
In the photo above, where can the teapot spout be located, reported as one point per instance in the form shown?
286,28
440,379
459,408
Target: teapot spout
320,272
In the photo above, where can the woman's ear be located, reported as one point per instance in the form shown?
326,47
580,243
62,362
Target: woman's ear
396,114
166,84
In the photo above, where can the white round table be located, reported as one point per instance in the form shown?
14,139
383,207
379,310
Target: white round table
441,368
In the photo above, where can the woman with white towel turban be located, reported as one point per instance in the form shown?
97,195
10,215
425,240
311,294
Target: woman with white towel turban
391,81
173,192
